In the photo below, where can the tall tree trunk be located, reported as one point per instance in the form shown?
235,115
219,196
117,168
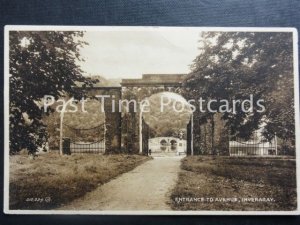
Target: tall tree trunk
205,137
212,121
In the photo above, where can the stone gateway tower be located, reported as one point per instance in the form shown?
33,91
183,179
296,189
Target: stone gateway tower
127,131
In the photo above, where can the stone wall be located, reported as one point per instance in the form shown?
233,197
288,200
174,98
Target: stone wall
130,125
113,120
211,137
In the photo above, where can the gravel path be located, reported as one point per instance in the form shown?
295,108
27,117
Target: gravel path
147,187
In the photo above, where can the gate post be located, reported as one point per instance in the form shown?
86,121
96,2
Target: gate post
192,134
141,123
188,139
145,137
66,146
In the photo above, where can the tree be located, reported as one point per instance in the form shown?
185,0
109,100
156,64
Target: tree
235,65
40,63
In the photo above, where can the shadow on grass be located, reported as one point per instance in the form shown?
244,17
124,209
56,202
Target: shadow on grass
228,183
51,180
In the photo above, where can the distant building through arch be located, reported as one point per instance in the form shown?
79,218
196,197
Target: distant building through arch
124,129
128,131
134,136
171,145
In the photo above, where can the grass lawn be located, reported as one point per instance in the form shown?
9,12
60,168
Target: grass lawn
51,180
228,183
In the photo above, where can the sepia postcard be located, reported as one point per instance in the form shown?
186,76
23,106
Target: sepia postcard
151,120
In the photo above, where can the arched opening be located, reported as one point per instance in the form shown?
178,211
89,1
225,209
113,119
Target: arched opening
163,142
163,145
167,115
173,145
85,127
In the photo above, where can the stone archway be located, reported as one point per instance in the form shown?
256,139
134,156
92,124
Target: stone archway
139,89
123,129
113,119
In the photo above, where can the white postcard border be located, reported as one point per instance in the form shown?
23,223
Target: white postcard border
143,28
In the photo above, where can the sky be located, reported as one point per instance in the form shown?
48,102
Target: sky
130,53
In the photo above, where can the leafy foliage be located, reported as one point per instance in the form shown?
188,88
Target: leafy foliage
84,118
167,121
40,63
235,65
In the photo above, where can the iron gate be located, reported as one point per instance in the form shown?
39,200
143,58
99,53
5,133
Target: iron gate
145,137
90,140
189,138
257,145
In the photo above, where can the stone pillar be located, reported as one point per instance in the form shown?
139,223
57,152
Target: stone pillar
113,119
